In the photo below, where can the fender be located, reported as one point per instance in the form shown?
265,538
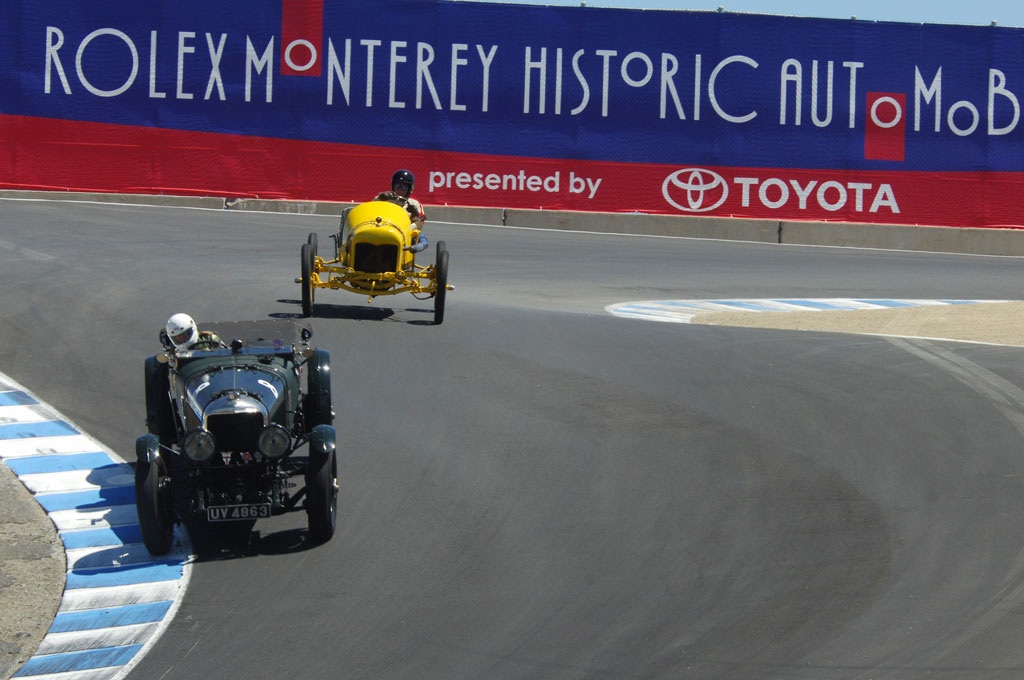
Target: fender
322,442
147,448
317,402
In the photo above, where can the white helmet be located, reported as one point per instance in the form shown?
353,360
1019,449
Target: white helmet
182,331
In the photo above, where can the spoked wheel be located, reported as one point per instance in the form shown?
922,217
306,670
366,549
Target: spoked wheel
441,279
312,241
306,255
322,484
152,502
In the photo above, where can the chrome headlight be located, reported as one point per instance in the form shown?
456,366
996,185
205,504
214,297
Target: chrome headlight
274,441
199,445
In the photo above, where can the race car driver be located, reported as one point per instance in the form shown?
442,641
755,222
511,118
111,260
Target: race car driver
183,334
402,183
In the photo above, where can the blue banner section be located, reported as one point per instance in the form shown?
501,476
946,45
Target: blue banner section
594,84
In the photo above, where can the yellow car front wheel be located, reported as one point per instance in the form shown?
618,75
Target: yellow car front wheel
306,264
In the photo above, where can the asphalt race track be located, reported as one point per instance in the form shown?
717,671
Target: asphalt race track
538,489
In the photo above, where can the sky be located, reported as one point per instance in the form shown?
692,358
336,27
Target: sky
972,12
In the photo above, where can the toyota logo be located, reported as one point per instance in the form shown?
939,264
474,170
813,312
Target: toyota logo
695,190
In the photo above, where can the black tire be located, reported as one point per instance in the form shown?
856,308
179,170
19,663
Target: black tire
339,240
441,279
317,408
322,485
159,413
307,280
312,241
152,502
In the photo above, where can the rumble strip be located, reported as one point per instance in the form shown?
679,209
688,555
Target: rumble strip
682,311
117,599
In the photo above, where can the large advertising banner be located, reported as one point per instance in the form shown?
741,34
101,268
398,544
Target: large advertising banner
490,104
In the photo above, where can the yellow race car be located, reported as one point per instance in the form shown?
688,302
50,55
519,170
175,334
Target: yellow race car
373,256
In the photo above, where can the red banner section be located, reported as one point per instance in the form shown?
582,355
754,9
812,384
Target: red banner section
885,130
302,30
152,160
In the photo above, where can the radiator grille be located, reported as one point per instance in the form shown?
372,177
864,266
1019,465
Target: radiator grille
235,431
376,259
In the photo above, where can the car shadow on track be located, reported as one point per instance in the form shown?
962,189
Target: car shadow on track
326,311
357,313
238,539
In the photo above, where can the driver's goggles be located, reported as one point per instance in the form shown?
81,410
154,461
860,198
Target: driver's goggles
182,336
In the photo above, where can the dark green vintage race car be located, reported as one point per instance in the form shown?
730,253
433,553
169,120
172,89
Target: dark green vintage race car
224,426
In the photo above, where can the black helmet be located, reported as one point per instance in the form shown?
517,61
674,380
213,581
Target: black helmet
404,177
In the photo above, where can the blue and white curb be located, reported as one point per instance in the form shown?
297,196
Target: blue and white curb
683,311
117,598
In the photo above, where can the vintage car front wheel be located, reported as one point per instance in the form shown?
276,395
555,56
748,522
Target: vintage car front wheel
322,484
441,279
306,264
152,502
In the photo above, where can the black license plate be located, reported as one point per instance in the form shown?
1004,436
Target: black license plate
234,513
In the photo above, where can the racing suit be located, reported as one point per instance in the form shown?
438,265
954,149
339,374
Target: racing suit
416,214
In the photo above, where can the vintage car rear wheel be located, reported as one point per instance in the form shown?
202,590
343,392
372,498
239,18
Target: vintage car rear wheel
441,279
317,408
152,502
322,485
307,280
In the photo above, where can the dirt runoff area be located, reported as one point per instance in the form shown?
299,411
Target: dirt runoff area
32,571
1000,323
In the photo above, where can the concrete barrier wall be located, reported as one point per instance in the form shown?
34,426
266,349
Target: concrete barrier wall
899,237
879,236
